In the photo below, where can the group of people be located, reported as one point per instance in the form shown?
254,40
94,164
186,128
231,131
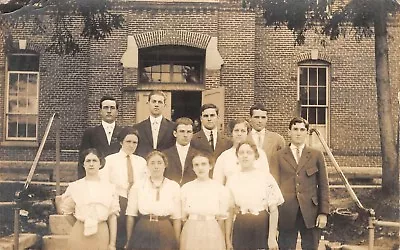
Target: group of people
162,186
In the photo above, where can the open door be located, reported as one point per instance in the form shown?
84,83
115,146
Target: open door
142,109
216,96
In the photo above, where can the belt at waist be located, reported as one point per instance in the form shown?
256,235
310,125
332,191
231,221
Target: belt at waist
249,211
152,217
201,217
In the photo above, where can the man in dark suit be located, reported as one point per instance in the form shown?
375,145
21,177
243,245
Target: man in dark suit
180,155
302,177
209,139
104,136
156,132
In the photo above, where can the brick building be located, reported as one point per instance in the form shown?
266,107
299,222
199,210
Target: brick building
195,51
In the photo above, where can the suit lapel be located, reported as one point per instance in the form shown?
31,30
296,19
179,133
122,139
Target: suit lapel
305,157
189,157
203,138
101,133
162,131
288,156
147,131
178,166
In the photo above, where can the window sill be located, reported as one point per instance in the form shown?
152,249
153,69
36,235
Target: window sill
31,144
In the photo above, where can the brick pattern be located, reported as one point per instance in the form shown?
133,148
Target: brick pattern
178,37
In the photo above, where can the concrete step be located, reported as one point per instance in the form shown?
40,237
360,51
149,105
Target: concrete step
45,171
26,240
61,224
55,242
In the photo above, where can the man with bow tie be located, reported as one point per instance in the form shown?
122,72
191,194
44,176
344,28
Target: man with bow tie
156,132
104,136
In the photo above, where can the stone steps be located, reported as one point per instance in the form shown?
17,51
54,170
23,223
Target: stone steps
26,240
60,226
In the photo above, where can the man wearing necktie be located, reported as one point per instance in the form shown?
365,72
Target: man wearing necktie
267,140
302,177
180,156
156,132
209,139
104,136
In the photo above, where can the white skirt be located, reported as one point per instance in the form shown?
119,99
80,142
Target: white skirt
202,235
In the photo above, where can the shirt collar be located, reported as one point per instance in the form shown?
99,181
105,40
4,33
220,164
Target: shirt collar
293,147
180,147
253,131
107,125
158,119
207,131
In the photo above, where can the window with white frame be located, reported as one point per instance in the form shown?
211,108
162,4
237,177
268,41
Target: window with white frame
313,89
22,97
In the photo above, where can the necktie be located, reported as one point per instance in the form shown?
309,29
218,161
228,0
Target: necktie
212,140
109,134
129,169
155,134
298,155
259,139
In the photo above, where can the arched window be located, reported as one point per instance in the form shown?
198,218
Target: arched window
171,64
313,89
22,96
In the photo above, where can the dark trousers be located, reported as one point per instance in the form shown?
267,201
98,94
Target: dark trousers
309,236
121,223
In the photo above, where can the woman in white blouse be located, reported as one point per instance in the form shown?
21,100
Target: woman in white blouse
227,163
255,201
152,204
123,169
94,203
204,208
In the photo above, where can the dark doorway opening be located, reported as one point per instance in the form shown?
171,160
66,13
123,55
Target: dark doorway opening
185,104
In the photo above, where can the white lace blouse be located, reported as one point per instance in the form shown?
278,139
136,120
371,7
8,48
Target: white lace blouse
205,198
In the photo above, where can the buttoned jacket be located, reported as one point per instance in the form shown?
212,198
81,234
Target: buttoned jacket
304,186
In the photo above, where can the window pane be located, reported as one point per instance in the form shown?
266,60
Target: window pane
313,76
322,76
321,116
321,96
155,77
156,68
304,95
303,76
165,77
304,113
23,62
178,77
177,68
191,73
313,96
31,120
22,127
312,116
12,126
165,68
13,93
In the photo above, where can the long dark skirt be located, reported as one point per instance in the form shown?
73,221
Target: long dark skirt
121,223
251,231
153,235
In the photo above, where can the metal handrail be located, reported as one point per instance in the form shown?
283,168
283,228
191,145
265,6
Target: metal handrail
372,221
340,172
20,195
